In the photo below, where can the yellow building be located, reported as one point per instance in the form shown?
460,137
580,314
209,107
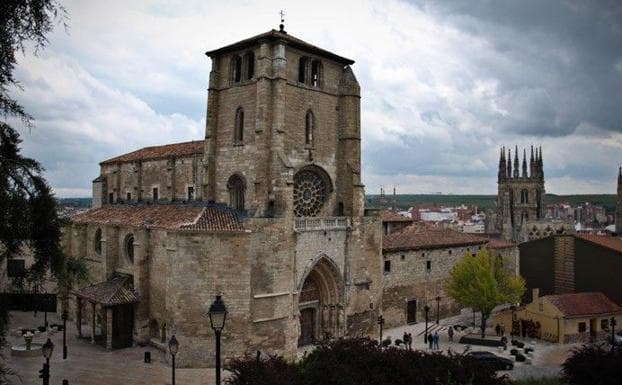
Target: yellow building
565,318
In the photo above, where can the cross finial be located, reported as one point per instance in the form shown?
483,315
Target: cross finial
282,25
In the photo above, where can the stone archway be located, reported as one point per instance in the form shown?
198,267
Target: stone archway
320,303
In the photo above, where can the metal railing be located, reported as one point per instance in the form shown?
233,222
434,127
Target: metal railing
319,224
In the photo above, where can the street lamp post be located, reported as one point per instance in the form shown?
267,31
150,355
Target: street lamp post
64,318
438,305
426,308
381,324
513,308
47,349
613,333
217,315
173,347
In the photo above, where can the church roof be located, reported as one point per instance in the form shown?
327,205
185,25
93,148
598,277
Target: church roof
278,35
157,152
583,304
207,218
494,243
418,237
392,216
116,291
607,241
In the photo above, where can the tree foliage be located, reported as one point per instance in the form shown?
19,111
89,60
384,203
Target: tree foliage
28,214
481,283
593,364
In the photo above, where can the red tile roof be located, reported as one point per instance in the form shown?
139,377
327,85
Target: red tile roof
417,237
211,218
116,291
499,244
158,152
609,242
392,216
582,304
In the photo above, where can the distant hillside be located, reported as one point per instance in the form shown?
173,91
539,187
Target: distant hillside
74,202
404,201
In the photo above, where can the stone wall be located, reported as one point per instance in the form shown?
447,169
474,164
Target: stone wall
410,279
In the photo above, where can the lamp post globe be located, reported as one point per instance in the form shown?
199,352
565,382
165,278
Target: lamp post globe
173,347
217,316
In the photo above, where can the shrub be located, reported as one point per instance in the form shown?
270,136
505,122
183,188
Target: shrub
527,350
514,352
386,342
520,358
398,342
593,364
363,362
515,342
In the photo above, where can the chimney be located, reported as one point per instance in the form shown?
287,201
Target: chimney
535,294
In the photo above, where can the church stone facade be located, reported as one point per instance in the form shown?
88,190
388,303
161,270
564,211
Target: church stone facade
267,211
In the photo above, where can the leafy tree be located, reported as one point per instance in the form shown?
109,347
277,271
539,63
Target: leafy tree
28,214
480,283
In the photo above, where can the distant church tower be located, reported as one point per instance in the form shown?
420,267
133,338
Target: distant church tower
520,191
619,204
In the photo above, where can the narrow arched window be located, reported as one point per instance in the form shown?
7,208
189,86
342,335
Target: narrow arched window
309,128
302,70
249,65
238,130
97,243
236,188
316,70
129,248
236,69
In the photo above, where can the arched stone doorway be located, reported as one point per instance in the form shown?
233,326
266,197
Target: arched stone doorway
320,303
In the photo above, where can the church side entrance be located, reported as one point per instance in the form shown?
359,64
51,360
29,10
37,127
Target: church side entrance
319,303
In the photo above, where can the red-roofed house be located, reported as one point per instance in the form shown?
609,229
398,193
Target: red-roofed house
571,317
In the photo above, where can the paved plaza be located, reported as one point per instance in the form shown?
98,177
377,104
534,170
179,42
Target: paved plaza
93,365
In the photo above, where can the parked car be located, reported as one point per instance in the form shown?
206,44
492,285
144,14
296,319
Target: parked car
617,340
498,363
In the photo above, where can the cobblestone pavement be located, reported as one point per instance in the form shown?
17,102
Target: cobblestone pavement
88,364
93,365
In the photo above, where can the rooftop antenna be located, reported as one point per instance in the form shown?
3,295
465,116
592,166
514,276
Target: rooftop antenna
282,25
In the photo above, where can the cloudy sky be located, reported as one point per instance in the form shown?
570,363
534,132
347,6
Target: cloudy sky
444,84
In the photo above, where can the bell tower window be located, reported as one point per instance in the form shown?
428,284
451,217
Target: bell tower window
238,130
309,71
316,67
302,69
249,65
236,69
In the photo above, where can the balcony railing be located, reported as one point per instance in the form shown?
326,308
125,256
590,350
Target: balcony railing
319,224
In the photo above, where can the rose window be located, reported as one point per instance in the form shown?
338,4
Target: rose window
309,193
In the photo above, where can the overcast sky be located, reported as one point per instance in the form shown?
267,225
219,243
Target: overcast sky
444,85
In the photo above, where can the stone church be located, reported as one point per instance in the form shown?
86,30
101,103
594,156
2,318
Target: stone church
267,211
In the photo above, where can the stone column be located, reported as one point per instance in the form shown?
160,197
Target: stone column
109,328
79,316
93,305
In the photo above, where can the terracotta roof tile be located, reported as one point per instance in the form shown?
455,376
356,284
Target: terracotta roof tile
609,242
499,244
157,152
580,304
210,218
392,216
116,291
417,236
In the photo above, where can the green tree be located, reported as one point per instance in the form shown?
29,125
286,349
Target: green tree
28,214
481,283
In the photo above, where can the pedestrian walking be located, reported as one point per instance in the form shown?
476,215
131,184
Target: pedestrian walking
450,333
430,342
410,341
436,338
405,339
498,330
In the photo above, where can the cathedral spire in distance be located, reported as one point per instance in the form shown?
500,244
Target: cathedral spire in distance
524,163
502,167
516,166
509,174
531,163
